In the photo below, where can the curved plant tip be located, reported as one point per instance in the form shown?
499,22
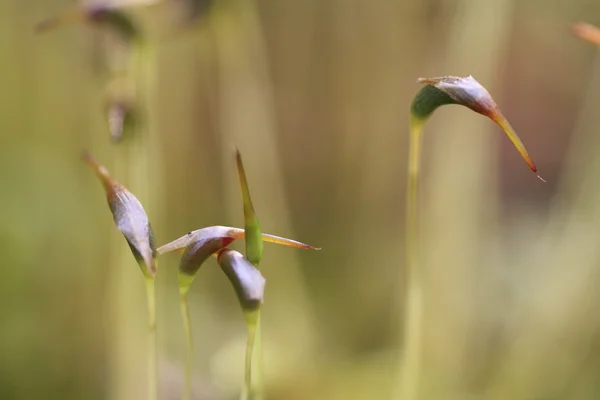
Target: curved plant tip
104,15
254,243
587,32
249,286
246,279
465,92
225,233
129,216
196,254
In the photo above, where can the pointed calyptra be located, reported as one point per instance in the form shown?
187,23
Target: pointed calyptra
130,217
465,92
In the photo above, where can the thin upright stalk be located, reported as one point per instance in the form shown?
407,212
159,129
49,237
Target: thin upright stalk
253,362
152,342
411,360
144,64
189,357
247,122
126,321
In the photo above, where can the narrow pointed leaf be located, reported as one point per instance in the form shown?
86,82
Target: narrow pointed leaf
254,243
130,217
587,32
246,279
465,92
223,232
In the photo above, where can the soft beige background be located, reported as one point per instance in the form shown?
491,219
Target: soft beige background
315,93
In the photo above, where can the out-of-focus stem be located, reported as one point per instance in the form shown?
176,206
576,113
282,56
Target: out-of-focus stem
411,359
152,344
253,389
144,65
127,368
187,326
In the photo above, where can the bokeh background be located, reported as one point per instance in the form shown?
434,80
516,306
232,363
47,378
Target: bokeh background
315,94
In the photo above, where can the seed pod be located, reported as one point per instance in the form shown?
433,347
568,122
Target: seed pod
465,92
130,217
246,279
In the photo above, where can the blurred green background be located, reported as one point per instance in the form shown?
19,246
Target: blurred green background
315,93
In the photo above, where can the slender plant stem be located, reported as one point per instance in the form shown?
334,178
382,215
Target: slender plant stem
249,350
152,343
413,307
257,357
253,364
189,357
144,65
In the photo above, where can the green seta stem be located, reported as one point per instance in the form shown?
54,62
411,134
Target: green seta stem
144,67
187,325
152,342
253,361
411,359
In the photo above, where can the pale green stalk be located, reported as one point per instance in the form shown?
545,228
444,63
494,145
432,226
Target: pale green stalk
144,63
126,370
143,150
411,359
253,363
152,344
187,326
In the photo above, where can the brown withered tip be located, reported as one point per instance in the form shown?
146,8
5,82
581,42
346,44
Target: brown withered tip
89,159
587,32
99,170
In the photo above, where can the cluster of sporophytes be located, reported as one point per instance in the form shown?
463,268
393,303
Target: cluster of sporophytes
199,245
242,269
126,113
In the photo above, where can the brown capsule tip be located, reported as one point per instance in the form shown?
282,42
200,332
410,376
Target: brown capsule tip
98,169
87,158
